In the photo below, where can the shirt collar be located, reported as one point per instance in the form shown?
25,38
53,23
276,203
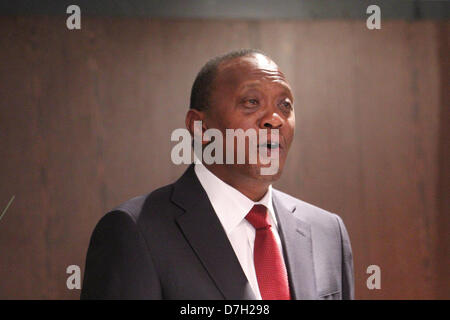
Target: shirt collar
230,205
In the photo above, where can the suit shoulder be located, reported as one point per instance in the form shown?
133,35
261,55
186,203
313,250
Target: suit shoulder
134,207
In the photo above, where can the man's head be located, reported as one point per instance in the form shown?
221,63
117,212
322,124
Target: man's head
243,89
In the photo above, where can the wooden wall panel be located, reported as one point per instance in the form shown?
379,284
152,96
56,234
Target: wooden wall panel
442,249
86,118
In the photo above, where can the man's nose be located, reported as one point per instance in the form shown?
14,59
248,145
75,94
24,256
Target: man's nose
272,121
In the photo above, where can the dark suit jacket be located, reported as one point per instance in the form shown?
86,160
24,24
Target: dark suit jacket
169,244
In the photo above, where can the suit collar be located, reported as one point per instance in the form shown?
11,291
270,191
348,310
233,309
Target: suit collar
203,230
295,235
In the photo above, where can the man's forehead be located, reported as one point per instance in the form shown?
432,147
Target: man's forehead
244,68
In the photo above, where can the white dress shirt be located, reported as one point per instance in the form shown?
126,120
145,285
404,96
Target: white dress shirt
231,207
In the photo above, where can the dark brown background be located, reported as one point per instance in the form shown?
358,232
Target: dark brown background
86,118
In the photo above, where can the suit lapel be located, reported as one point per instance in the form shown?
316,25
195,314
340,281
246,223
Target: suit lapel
296,237
203,230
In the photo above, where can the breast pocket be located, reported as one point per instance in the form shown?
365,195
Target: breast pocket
336,295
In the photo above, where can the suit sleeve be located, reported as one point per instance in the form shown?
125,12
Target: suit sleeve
348,284
118,263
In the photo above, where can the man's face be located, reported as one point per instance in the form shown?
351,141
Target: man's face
252,93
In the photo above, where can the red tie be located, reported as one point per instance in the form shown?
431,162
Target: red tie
270,269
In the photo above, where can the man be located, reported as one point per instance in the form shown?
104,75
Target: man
221,231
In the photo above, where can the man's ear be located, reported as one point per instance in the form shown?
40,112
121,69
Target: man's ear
192,116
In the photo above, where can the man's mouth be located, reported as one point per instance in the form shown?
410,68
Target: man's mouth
269,145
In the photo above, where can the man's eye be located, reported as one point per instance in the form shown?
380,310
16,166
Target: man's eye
251,102
286,104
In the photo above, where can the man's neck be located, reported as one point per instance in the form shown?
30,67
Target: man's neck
251,188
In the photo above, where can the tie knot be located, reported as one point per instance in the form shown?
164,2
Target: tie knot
258,217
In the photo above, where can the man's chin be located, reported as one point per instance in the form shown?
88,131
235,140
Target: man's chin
262,173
